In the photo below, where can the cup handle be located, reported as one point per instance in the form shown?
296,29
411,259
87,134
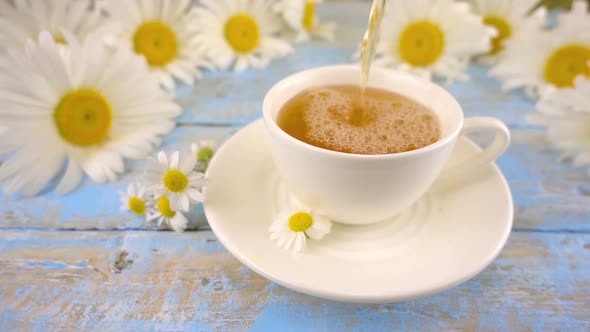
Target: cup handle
489,154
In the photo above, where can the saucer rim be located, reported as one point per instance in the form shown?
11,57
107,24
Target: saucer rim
351,297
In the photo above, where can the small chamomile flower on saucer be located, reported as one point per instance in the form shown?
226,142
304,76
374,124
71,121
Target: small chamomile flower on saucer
163,213
90,110
160,31
135,199
300,16
239,33
510,19
544,60
25,19
432,37
291,228
566,114
176,179
203,151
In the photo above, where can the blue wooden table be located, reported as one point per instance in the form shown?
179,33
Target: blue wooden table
77,263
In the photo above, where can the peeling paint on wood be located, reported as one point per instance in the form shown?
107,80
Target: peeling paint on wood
539,282
121,262
77,263
549,196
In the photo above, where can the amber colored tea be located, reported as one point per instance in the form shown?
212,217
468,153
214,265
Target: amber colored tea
333,118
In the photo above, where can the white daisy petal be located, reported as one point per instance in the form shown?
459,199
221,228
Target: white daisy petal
195,195
290,240
167,23
235,34
71,178
174,159
178,182
300,16
299,243
162,158
174,201
559,55
179,222
188,163
22,159
326,31
566,114
427,38
290,227
131,189
66,80
241,64
29,17
321,226
43,173
184,203
134,200
284,238
510,19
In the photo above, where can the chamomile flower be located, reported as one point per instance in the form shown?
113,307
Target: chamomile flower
165,215
432,37
175,178
510,19
134,200
566,114
203,151
544,60
159,30
27,18
92,107
240,33
291,228
300,15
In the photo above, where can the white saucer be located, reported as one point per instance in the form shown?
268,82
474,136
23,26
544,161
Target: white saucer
447,237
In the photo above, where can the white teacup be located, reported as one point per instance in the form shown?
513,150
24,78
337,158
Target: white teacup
363,189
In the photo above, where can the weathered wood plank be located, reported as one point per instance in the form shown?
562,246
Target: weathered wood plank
96,206
161,280
57,273
230,98
236,99
548,196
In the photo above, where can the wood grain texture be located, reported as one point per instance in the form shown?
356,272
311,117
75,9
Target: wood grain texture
77,263
548,195
161,280
97,206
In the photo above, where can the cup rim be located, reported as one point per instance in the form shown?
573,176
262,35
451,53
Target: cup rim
274,127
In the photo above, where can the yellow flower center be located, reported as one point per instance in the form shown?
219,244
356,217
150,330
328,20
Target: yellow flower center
60,40
156,41
204,154
83,117
308,15
504,32
136,205
163,207
300,221
421,43
566,63
175,180
242,33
